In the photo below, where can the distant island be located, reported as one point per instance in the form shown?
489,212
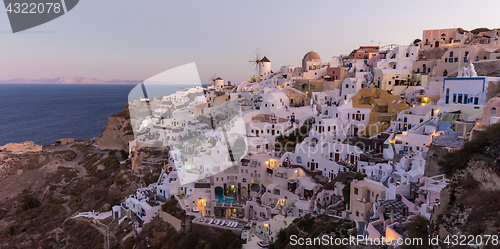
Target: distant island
69,80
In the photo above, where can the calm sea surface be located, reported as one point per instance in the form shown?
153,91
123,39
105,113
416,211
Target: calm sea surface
44,113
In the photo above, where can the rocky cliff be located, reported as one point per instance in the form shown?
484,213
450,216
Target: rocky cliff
434,155
469,204
118,132
27,146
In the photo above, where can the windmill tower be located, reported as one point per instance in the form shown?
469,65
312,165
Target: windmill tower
262,65
217,82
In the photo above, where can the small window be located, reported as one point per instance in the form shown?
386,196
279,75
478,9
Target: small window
493,110
355,191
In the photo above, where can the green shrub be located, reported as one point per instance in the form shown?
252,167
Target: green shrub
190,240
346,192
30,202
83,234
479,30
129,243
110,162
124,154
484,207
306,224
226,240
121,181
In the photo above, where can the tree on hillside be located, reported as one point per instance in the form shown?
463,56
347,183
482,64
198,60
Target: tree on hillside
483,143
346,192
30,202
479,30
190,240
226,240
417,228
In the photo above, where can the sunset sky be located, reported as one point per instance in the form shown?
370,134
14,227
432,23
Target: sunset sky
124,39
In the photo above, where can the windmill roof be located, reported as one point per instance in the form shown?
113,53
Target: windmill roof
265,59
218,78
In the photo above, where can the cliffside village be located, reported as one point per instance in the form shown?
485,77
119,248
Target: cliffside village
252,157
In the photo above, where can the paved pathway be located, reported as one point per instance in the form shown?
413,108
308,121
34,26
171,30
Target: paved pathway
79,155
103,229
65,205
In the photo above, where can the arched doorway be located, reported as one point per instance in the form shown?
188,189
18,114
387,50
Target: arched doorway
244,191
231,190
314,141
255,187
202,203
219,193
